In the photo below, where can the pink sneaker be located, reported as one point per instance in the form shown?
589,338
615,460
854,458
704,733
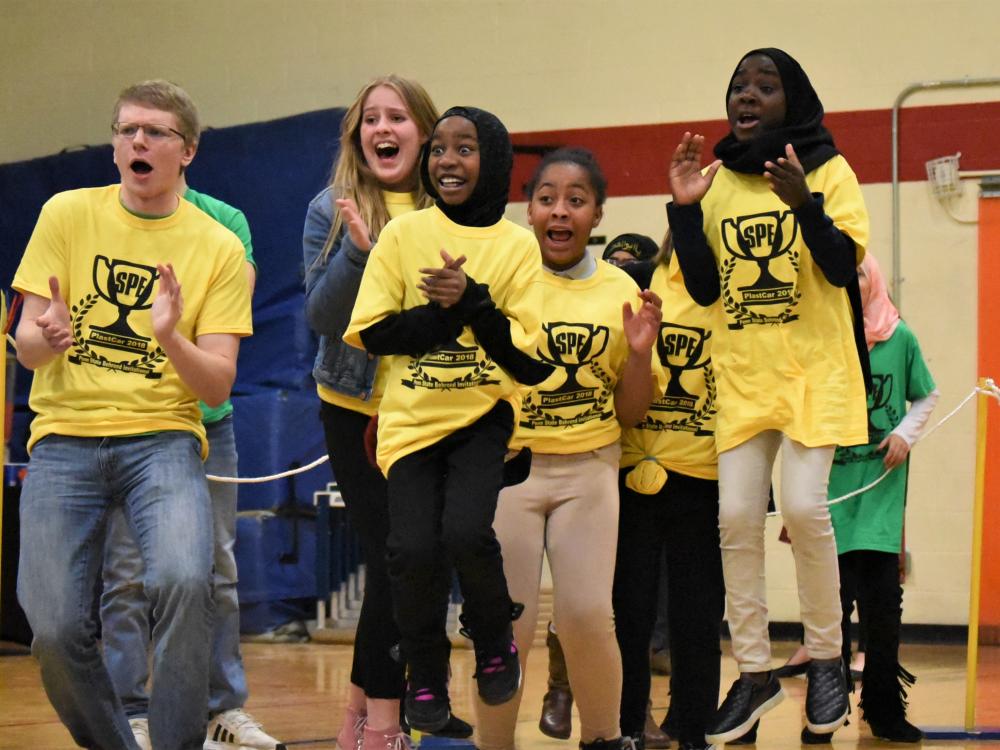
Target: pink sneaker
393,739
352,732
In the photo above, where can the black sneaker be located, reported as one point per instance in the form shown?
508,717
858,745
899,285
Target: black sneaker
498,672
812,738
826,696
455,729
427,709
744,704
750,738
895,730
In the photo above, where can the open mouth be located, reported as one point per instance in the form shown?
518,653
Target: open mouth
386,150
450,183
141,167
747,119
559,235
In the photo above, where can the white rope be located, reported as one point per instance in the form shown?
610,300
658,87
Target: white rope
990,389
271,478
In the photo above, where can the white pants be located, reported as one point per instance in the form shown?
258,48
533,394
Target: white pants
744,479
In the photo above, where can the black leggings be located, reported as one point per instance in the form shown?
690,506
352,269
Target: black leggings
364,491
442,500
872,579
684,518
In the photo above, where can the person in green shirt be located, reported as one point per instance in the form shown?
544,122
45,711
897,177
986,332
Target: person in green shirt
869,527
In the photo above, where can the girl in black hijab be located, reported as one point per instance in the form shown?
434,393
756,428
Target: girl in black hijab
488,199
447,413
772,232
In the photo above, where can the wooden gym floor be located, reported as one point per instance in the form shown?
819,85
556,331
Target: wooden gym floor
297,691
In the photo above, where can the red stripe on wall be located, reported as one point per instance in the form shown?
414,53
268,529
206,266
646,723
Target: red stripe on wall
635,157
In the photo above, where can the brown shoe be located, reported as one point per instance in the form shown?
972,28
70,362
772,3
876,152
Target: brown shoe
557,714
653,737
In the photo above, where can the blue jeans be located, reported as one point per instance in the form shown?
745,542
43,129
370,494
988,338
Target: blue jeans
125,609
72,486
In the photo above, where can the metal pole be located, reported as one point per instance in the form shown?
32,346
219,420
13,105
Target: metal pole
903,95
975,582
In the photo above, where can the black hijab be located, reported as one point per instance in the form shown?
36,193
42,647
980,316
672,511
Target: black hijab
803,126
486,205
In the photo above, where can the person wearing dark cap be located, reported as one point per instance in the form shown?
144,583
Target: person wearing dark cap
457,333
770,235
629,248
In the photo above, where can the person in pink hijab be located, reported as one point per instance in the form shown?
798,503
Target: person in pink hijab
869,527
881,316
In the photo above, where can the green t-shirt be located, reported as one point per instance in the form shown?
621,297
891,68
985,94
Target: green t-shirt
873,520
234,220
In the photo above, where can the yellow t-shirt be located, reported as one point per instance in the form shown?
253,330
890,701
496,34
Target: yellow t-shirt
429,397
573,410
396,204
678,431
783,341
115,379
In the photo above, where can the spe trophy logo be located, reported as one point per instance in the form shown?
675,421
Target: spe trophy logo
681,348
879,400
881,394
127,286
571,346
762,238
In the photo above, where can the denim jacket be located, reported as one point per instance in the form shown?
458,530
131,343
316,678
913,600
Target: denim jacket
331,289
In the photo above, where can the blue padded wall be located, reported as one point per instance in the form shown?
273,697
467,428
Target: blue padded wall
274,430
276,558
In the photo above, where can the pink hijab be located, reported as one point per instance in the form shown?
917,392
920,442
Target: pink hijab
881,316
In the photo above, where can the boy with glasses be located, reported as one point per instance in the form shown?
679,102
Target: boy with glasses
124,608
135,302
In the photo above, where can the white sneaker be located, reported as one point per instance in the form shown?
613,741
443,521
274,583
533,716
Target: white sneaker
140,730
237,730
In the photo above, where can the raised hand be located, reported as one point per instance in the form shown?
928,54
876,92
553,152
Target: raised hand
896,450
356,227
787,179
169,303
55,322
643,326
687,182
444,285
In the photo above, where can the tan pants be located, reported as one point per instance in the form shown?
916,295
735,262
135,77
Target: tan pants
568,508
744,478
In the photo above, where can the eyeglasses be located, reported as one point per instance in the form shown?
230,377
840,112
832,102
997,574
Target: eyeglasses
156,133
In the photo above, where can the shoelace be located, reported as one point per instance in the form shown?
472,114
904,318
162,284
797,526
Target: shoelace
398,742
238,719
359,731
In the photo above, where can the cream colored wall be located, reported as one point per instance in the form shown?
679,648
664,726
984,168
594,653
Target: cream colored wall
551,65
540,65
